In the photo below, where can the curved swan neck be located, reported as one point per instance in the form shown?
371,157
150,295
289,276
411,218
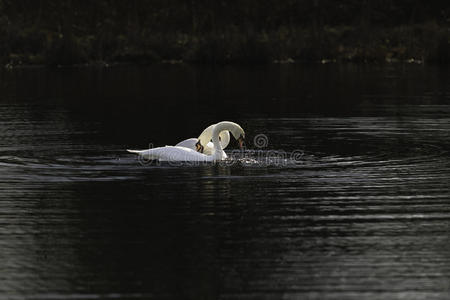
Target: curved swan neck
218,128
225,138
206,135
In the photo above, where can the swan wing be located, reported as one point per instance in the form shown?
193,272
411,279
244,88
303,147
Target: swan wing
188,143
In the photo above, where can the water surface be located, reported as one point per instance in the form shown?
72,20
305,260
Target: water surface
347,198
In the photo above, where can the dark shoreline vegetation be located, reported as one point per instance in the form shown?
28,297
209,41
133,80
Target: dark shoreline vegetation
101,32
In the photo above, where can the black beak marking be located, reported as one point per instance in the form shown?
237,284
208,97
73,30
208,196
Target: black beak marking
241,141
199,147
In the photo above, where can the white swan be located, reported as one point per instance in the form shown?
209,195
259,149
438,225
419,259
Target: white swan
178,153
206,147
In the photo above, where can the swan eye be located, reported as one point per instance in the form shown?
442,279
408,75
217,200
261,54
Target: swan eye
220,138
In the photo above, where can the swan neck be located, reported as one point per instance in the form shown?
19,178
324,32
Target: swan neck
206,135
215,134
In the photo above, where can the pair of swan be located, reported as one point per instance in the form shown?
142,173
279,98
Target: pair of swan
201,149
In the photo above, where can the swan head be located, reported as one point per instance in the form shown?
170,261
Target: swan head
241,141
239,134
199,147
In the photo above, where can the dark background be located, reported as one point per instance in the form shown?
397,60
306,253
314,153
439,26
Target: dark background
110,31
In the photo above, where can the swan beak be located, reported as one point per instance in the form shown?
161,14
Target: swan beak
241,142
199,147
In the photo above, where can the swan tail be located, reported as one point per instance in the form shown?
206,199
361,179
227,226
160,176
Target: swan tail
134,151
147,154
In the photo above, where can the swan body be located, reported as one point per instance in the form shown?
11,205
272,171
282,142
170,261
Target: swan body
173,153
180,153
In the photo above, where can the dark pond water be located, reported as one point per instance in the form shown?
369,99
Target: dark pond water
345,197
